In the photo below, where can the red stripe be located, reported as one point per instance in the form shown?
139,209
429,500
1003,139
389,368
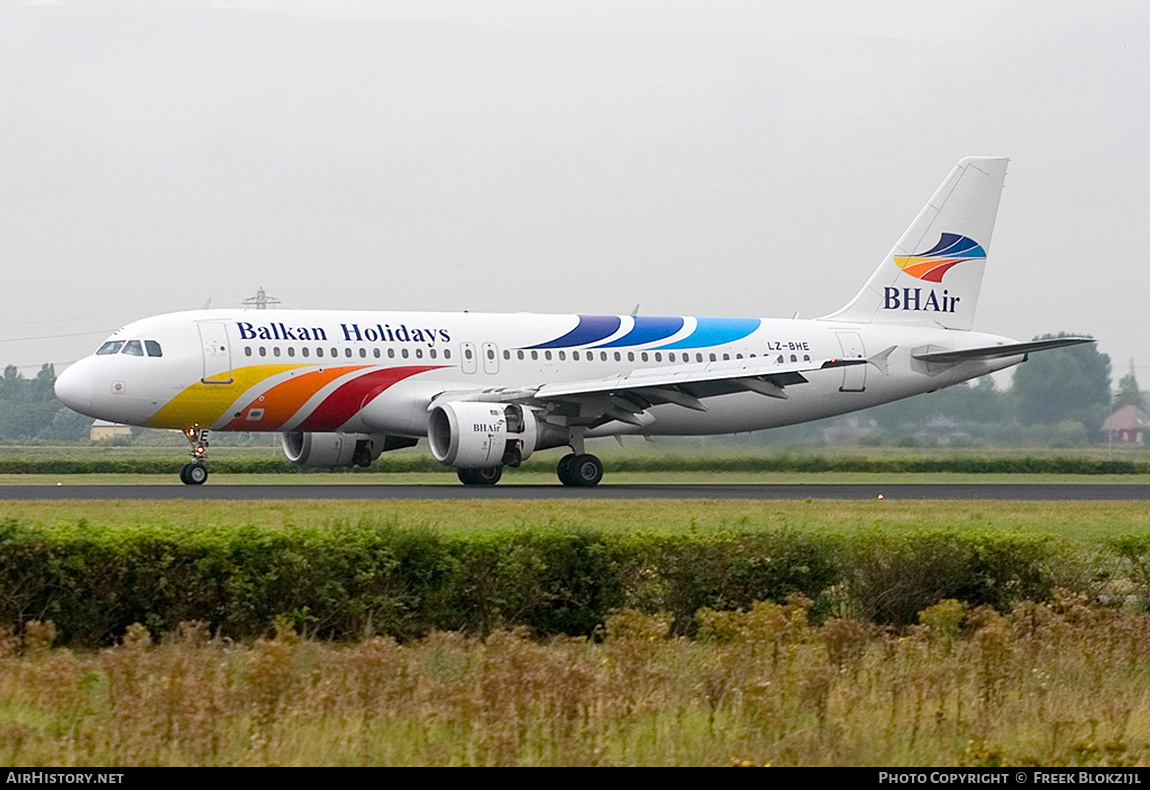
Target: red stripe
349,398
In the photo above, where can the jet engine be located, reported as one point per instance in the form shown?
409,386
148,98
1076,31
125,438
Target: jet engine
339,449
478,435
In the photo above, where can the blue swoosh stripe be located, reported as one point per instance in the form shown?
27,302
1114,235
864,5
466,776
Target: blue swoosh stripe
647,329
954,244
591,329
716,332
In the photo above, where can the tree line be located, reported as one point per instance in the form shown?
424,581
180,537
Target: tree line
29,409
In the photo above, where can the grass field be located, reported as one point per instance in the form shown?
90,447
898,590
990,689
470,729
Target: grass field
1063,684
1056,683
1086,521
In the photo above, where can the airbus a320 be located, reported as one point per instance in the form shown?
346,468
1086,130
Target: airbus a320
490,390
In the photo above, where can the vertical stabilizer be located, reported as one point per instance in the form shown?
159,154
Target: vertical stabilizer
933,275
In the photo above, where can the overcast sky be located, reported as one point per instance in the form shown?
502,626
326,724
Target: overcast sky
718,158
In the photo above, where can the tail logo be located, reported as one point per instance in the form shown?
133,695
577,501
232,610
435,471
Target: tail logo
951,250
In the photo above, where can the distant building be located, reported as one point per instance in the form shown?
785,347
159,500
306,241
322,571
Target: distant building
1126,426
102,429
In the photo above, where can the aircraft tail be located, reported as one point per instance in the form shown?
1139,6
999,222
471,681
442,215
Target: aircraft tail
934,273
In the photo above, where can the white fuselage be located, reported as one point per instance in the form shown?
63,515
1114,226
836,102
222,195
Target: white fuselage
377,372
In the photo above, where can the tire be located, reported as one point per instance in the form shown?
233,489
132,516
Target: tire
184,474
586,471
563,469
195,474
480,477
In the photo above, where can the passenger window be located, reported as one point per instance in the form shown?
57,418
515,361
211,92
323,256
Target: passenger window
519,355
133,349
506,354
535,355
247,351
375,351
644,356
291,351
698,357
419,353
319,352
111,347
447,353
575,355
618,356
713,358
363,353
658,356
562,355
432,353
346,353
263,351
391,353
630,356
602,356
466,353
404,353
276,351
794,358
490,354
153,348
671,357
547,355
305,351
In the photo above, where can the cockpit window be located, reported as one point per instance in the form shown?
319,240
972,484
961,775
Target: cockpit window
133,348
111,347
153,348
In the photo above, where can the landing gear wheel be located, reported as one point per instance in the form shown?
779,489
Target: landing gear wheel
194,474
586,471
480,477
564,469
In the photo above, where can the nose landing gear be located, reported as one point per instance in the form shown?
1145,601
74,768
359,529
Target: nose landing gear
194,473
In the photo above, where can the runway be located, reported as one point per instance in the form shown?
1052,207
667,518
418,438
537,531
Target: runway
844,491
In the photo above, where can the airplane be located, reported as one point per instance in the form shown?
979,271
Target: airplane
490,390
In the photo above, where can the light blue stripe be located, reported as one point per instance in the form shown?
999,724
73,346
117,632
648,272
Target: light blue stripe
717,332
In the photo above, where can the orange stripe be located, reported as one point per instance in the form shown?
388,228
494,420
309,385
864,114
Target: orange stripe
285,399
204,404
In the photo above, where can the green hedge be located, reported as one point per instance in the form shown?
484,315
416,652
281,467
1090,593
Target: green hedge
345,581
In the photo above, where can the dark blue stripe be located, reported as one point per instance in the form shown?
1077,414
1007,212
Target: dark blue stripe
647,329
591,329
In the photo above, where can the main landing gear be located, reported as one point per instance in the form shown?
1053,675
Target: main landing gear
580,470
194,473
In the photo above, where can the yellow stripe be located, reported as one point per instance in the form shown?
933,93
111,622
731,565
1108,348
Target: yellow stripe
204,404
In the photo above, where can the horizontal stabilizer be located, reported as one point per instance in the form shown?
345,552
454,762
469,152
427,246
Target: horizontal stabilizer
998,352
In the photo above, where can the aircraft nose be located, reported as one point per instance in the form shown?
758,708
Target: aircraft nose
74,387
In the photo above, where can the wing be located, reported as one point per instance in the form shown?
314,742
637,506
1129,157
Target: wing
626,397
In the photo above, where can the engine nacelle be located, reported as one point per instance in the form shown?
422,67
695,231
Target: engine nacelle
339,449
477,435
